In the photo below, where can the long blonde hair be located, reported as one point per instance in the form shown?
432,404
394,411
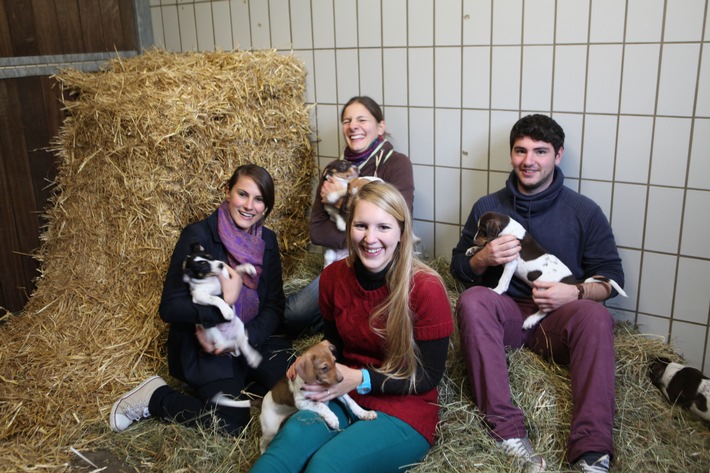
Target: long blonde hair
401,354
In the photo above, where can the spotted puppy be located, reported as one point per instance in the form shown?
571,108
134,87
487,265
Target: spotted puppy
682,385
533,262
315,366
337,202
200,271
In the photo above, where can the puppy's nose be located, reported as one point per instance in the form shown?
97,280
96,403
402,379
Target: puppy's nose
220,265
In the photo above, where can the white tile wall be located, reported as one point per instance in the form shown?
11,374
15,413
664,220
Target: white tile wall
607,25
629,81
645,21
536,87
369,24
692,301
477,22
633,148
447,23
539,22
447,77
598,154
699,169
572,21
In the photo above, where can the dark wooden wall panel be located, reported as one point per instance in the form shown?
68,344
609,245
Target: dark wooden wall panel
5,38
53,27
45,15
31,115
23,235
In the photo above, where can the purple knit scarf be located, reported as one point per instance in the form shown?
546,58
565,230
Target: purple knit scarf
243,247
357,158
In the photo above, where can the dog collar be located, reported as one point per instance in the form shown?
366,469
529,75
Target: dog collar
365,386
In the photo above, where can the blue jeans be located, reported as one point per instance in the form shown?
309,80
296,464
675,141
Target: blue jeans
306,444
302,312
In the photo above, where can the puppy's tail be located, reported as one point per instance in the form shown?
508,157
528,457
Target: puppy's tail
610,281
228,401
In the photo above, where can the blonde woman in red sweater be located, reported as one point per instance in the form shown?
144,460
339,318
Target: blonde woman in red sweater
390,318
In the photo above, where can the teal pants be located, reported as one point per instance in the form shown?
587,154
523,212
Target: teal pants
307,444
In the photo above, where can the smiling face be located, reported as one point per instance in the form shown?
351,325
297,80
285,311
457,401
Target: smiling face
246,204
360,127
534,164
375,235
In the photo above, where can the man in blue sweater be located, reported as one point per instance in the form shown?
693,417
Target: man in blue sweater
578,331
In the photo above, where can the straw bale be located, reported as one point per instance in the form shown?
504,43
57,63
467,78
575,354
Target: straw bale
146,148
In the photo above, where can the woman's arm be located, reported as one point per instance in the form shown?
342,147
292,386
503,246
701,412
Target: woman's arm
429,373
323,229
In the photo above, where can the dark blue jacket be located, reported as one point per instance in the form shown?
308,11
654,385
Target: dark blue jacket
186,360
565,223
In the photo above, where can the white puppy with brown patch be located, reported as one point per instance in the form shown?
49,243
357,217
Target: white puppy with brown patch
200,271
533,262
315,366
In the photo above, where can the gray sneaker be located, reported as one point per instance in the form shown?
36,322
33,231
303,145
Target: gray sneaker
523,449
593,463
133,405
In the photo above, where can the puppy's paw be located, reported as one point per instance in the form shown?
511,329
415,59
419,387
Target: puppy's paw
331,420
472,251
340,224
246,269
368,415
532,320
499,289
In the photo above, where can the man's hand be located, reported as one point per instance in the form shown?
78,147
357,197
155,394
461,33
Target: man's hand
549,296
502,250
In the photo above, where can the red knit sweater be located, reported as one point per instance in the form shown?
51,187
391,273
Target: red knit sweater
345,302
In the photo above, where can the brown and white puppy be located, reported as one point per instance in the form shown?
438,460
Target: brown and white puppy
337,202
533,262
200,271
682,385
315,366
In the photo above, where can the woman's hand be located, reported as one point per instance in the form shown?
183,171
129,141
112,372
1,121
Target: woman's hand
352,378
331,185
230,287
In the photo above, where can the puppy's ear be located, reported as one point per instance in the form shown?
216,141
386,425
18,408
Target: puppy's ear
299,367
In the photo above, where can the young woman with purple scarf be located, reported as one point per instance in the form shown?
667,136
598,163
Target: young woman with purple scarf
233,233
364,130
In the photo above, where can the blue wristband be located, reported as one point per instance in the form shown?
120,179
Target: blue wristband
365,386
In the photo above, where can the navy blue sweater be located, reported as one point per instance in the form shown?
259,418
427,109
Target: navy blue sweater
567,224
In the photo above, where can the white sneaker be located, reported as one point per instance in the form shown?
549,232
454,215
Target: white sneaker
590,465
133,405
523,449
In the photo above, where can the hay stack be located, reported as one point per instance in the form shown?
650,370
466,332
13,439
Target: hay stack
146,149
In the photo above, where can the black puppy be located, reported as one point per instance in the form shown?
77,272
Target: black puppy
200,271
682,385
